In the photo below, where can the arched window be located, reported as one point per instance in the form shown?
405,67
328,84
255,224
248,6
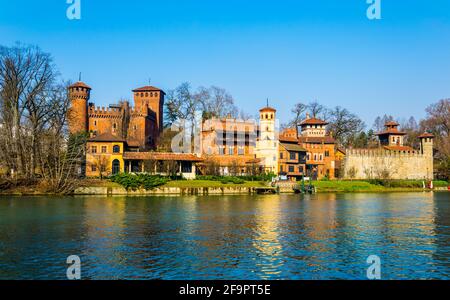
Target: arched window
116,149
115,167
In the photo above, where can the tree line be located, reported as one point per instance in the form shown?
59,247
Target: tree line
34,142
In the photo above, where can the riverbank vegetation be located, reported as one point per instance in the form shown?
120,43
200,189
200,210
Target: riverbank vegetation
348,186
36,150
139,181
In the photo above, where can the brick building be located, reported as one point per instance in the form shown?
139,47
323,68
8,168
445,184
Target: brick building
320,147
139,126
229,143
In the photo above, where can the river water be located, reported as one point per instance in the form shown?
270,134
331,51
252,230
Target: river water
324,236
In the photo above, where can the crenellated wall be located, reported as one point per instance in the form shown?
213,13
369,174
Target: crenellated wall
387,164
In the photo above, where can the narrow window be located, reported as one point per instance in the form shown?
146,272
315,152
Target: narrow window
292,155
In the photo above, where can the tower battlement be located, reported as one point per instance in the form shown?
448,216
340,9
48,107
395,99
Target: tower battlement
142,123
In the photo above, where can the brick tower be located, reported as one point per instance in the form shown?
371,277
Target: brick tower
150,97
79,94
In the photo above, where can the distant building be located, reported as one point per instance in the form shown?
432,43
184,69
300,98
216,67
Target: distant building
140,125
392,160
267,142
339,155
229,143
320,147
292,159
122,136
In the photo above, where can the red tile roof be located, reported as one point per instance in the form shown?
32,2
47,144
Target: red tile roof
268,108
288,139
106,137
161,156
426,135
148,88
391,132
314,121
292,147
80,84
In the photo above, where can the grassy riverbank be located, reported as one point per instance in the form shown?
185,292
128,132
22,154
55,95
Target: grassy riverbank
336,186
211,184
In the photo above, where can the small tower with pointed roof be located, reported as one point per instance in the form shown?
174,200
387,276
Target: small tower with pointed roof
267,143
391,136
313,127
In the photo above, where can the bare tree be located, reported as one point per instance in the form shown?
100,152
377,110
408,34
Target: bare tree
103,165
378,125
412,130
34,140
298,111
26,76
438,122
317,110
216,102
344,125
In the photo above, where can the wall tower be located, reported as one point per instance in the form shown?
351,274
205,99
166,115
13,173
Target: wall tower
79,94
152,98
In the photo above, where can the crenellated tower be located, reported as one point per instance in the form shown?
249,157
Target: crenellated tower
426,144
150,97
79,94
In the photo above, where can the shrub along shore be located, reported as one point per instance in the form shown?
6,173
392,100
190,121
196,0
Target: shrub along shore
146,182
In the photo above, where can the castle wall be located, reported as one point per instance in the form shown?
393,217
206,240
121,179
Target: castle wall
384,164
124,122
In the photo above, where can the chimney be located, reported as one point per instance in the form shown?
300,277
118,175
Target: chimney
308,116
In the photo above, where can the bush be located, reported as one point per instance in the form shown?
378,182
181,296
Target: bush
405,183
234,180
138,181
240,179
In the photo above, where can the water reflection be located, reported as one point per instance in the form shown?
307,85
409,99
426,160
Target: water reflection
325,236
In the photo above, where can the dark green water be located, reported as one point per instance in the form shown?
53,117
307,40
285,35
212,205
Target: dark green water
326,236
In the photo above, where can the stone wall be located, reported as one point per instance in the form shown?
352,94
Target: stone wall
384,164
165,191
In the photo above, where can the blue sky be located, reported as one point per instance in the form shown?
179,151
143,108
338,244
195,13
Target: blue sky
285,50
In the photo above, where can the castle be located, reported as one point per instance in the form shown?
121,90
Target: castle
121,139
392,160
140,126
